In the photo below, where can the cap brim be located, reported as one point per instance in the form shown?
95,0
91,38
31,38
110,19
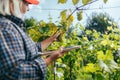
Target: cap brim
33,1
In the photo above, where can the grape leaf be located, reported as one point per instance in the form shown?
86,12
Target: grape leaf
105,1
75,1
85,1
63,15
62,1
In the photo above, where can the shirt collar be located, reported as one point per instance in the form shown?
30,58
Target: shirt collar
16,20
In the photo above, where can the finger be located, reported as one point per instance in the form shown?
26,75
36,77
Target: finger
61,48
57,34
55,40
57,31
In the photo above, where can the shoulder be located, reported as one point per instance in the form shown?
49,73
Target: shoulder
7,25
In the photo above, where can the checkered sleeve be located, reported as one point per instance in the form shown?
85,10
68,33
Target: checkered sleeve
39,46
13,65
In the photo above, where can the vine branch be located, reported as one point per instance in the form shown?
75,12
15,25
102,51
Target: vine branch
79,8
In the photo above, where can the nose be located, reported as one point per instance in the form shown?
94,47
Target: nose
27,8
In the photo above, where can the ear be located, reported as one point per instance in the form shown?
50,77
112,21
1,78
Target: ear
23,7
11,7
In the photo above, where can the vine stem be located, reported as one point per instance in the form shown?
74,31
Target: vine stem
87,4
71,14
70,70
78,8
54,71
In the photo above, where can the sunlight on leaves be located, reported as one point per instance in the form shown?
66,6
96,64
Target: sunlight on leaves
104,66
104,42
100,55
82,27
109,28
59,74
109,55
88,32
90,67
112,64
71,19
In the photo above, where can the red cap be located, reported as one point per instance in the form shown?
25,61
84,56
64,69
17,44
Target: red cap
33,1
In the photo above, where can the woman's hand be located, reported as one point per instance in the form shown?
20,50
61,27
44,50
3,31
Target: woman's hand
48,41
57,54
55,36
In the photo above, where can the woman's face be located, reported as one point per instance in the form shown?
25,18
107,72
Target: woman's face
24,7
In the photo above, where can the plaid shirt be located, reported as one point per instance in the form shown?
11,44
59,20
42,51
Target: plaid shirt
19,57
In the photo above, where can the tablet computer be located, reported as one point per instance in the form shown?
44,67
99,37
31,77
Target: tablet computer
64,50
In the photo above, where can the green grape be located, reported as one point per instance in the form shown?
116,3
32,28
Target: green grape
79,15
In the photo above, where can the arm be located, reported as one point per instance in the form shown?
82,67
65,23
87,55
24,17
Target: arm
44,44
48,41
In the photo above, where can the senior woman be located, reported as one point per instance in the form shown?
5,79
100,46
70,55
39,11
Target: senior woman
19,57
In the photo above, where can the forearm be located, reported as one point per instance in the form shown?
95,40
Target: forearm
46,43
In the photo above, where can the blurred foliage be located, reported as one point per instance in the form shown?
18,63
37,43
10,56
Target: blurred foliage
93,61
100,22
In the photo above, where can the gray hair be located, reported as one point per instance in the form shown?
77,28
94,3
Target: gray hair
5,7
